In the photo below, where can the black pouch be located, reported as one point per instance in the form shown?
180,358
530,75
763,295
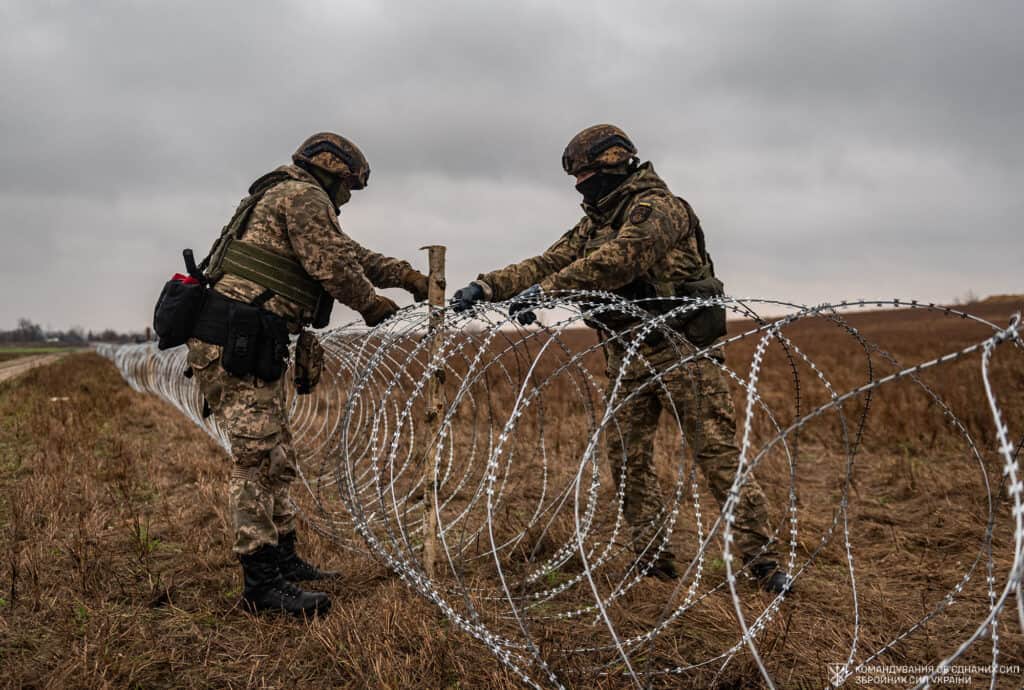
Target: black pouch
705,325
242,346
322,314
616,318
272,354
176,311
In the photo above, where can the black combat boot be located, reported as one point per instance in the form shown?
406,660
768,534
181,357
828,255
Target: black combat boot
663,567
294,568
267,590
770,578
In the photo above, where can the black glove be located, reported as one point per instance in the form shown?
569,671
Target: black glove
467,297
521,307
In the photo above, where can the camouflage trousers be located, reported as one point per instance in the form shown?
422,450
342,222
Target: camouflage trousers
252,413
698,394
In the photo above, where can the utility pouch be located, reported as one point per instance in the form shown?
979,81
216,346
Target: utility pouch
254,341
704,325
242,346
309,362
179,305
272,353
176,310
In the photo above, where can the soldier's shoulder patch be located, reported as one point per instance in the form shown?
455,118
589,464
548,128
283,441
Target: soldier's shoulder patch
640,213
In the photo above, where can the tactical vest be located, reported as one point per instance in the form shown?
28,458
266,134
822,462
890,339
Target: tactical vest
278,274
702,326
652,286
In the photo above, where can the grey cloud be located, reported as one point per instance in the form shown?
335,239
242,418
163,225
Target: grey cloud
831,148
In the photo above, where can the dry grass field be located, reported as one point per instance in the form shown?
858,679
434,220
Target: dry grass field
115,564
9,353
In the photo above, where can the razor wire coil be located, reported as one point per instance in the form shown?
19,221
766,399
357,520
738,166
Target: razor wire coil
531,525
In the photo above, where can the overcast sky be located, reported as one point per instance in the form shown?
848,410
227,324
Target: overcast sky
832,150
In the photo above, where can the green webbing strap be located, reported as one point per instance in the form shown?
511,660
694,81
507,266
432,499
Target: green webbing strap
235,228
284,276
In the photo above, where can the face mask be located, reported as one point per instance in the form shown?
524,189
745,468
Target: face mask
339,193
598,186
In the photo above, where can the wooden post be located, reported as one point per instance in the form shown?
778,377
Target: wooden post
434,406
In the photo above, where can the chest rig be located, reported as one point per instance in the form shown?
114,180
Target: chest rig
658,294
279,275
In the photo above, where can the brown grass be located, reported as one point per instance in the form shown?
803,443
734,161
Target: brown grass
117,569
116,565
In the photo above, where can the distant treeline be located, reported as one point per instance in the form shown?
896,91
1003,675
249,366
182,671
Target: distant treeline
28,332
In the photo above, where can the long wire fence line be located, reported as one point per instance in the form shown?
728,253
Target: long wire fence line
535,554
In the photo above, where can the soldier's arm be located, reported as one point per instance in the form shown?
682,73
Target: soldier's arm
325,252
383,271
511,280
647,234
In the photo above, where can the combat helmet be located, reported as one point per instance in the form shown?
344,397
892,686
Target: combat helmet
596,147
335,155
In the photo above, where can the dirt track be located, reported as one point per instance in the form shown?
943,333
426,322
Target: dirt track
16,367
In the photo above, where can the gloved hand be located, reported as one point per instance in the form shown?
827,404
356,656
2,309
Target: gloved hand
415,283
521,307
468,296
380,310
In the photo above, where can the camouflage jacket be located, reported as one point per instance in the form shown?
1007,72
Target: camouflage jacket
635,242
296,219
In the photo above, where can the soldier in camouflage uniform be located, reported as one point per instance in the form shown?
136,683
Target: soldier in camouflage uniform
637,239
294,217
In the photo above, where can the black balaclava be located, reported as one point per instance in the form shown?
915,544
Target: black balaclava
604,182
599,185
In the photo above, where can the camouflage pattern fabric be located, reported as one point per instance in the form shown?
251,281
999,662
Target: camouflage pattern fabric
297,219
638,238
351,165
640,232
697,393
598,147
253,415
